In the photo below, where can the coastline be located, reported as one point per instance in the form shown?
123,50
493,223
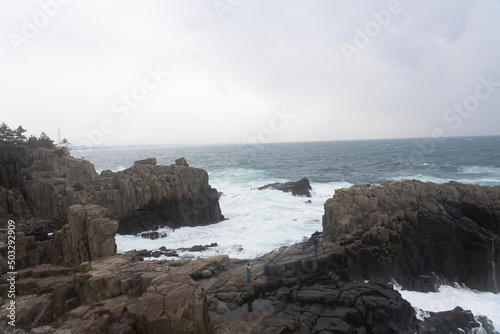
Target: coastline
286,283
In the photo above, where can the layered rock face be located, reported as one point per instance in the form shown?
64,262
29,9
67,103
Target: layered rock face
18,165
418,233
44,183
88,236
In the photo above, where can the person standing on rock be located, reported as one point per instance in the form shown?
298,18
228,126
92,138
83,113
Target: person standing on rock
315,245
249,272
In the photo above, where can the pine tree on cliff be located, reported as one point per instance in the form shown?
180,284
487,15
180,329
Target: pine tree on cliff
19,136
6,133
9,136
42,141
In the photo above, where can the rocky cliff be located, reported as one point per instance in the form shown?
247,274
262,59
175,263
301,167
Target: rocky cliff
44,183
111,295
420,234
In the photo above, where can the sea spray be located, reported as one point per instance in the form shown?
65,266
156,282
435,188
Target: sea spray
449,297
259,221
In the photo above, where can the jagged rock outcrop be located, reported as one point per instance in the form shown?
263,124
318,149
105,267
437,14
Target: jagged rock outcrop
44,183
148,161
181,162
297,188
313,294
88,235
420,234
106,173
18,163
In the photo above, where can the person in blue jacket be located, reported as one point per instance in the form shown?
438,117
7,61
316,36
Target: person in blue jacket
249,272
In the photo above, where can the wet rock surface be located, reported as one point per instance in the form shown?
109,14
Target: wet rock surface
297,188
421,234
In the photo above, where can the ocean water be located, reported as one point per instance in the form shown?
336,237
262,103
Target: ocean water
448,297
261,221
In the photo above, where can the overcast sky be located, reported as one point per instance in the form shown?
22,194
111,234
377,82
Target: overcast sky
233,71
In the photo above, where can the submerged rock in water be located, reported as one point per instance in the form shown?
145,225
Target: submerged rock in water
198,248
297,188
153,235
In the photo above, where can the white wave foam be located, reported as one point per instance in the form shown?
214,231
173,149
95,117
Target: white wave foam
423,178
449,297
258,221
480,170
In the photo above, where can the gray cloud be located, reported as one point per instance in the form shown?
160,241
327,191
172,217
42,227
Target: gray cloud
225,77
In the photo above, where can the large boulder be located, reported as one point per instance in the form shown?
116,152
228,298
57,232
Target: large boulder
420,234
297,188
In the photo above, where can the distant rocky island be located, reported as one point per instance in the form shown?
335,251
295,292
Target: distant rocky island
69,278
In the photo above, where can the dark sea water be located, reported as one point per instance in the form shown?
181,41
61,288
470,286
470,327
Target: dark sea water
261,221
465,159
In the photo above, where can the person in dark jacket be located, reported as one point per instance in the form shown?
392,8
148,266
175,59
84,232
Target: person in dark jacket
315,245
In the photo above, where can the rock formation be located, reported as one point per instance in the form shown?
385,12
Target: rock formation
412,232
181,162
297,188
44,183
113,295
309,294
418,233
89,235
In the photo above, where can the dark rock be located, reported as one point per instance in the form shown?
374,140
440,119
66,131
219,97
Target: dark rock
153,235
171,253
421,234
297,188
156,254
106,173
181,162
148,161
455,321
143,253
198,248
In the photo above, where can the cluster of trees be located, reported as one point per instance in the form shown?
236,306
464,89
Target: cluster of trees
17,137
8,135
